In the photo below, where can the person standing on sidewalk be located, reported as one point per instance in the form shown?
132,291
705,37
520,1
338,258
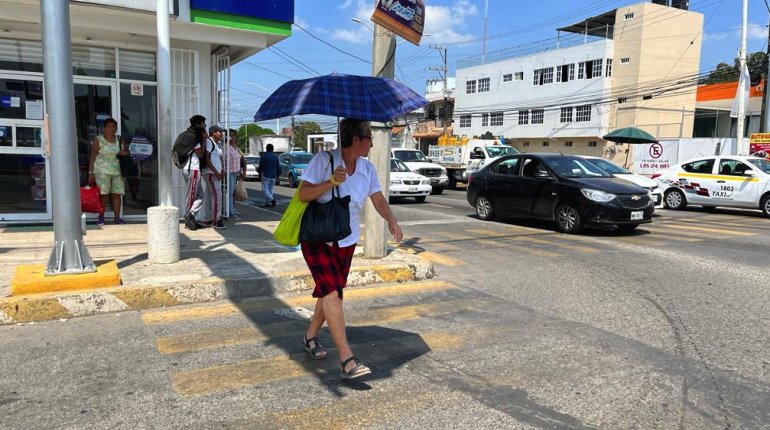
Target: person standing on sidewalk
104,168
212,177
268,169
235,170
330,263
191,172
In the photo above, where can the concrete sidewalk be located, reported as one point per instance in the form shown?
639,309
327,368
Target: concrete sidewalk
240,262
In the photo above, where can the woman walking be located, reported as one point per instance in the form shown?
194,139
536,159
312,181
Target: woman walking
235,169
330,263
104,168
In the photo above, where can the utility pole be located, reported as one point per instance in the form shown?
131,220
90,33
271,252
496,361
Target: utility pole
484,39
69,254
292,133
444,93
765,122
163,220
743,147
383,64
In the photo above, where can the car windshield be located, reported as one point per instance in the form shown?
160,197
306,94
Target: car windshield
252,160
501,151
411,156
609,167
761,164
573,167
301,159
398,166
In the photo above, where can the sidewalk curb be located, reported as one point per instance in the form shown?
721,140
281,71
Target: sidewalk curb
46,307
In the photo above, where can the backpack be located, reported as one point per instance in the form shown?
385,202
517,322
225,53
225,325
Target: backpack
184,147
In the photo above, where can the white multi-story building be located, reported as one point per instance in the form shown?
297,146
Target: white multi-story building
602,73
114,68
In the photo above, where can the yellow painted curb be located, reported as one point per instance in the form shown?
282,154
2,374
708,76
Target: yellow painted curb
31,279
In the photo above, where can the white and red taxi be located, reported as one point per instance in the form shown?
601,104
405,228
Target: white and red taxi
728,181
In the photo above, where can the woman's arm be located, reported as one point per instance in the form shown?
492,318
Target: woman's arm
122,146
383,208
94,152
310,192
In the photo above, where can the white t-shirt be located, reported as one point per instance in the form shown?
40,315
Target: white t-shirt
361,185
216,155
194,163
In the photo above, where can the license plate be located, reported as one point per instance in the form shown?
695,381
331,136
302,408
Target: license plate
434,181
412,189
636,216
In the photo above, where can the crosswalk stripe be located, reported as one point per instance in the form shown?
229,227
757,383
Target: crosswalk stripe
484,232
584,249
226,309
442,259
263,370
542,253
222,337
641,240
711,230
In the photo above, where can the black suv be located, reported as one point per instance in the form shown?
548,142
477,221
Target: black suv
569,190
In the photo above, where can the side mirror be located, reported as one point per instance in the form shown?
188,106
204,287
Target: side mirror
749,173
543,176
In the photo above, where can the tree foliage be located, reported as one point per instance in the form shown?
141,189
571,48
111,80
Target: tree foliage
250,130
301,130
756,62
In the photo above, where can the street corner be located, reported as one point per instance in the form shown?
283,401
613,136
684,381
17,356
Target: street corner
31,279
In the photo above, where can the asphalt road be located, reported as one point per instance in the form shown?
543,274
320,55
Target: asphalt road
523,328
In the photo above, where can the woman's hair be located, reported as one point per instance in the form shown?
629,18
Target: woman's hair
349,128
110,120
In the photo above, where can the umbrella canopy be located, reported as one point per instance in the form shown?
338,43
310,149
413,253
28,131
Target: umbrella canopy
630,135
350,96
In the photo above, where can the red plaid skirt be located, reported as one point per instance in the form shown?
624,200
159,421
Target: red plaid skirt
329,266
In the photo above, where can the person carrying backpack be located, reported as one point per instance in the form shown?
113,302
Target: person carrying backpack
187,154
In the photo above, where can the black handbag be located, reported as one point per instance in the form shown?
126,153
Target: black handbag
326,222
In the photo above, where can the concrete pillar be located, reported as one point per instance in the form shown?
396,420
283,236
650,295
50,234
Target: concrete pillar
163,234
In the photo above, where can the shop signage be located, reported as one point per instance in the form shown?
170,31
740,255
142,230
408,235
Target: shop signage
137,89
140,148
276,10
406,18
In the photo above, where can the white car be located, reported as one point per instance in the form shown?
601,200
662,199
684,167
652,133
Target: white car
728,181
405,183
651,185
417,162
252,162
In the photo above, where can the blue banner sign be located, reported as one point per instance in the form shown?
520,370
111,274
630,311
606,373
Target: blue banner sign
276,10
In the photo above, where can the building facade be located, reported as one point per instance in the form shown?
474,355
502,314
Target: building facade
609,71
114,68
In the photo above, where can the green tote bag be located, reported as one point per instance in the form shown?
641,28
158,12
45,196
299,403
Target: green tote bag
287,232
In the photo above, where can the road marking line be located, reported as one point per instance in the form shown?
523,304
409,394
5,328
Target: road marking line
442,259
226,309
264,370
542,253
484,232
713,230
222,337
438,221
441,206
578,248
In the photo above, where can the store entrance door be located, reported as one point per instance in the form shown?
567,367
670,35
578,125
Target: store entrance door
95,101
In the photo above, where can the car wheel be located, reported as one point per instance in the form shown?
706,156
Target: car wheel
765,205
437,190
292,181
484,208
420,199
627,228
675,199
568,219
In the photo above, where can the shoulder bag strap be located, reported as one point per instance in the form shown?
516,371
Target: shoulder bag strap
331,167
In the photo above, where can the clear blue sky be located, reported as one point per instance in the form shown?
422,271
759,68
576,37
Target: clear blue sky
457,24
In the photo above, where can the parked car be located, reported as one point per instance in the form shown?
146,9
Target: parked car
405,183
567,189
419,163
728,181
648,184
293,165
252,163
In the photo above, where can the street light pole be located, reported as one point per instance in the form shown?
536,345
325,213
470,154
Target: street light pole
383,64
69,254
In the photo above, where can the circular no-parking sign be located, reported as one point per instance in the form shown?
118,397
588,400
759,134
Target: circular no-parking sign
656,150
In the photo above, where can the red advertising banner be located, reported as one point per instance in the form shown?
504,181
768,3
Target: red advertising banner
759,144
406,18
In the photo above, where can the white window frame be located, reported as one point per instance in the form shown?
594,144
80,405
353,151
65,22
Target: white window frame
537,116
548,75
483,85
470,86
628,15
568,144
508,77
523,117
583,113
592,144
496,119
536,77
608,68
484,119
572,72
465,121
566,114
581,70
546,143
596,71
518,76
625,60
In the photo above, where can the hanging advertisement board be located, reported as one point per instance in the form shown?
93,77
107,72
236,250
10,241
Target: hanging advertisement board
405,18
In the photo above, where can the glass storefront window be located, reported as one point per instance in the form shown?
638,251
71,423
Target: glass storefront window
21,99
137,65
29,137
22,181
21,55
6,135
139,126
93,61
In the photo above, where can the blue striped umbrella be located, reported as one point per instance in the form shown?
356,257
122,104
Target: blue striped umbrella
349,96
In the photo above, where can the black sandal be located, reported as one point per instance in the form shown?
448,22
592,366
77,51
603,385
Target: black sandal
317,352
356,372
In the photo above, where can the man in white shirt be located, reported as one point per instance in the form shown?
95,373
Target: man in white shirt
192,173
212,177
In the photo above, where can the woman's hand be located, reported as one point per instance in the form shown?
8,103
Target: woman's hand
91,178
339,175
395,230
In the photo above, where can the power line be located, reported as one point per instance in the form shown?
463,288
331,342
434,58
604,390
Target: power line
268,70
329,44
294,61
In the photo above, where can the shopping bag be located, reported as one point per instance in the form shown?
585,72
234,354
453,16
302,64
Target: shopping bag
287,232
326,222
240,194
90,200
